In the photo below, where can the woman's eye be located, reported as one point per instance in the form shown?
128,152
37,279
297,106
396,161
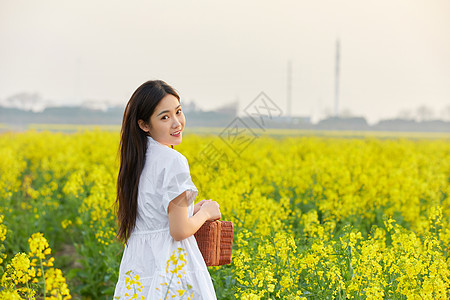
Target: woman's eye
166,116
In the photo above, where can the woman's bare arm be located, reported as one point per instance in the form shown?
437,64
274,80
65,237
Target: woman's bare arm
181,226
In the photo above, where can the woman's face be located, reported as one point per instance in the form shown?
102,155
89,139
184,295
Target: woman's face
168,118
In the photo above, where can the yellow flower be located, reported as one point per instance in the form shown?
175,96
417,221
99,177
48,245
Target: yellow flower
38,245
9,295
20,265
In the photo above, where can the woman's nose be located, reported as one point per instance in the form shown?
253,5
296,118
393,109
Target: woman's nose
176,123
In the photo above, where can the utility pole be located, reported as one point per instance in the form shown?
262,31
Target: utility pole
336,81
77,82
289,90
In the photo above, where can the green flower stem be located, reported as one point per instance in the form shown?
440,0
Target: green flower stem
43,277
28,291
167,292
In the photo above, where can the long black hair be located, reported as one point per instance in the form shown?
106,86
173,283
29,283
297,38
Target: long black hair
132,148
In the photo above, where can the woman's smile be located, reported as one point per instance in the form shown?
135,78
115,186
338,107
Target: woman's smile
176,133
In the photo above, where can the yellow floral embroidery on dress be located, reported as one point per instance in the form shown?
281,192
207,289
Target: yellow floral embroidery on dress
174,267
133,285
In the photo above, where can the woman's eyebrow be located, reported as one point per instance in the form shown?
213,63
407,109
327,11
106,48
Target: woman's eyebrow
166,111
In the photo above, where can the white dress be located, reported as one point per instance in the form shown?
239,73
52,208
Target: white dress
154,265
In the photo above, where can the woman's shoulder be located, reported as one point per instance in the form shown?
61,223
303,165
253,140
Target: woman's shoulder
155,146
163,156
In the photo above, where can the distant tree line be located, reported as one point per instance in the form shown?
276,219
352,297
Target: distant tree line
197,118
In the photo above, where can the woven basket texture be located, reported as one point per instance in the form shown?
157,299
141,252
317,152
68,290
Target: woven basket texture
215,241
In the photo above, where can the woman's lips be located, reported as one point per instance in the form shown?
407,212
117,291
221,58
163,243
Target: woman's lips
178,133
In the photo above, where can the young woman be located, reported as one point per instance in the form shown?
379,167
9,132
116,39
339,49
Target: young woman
155,195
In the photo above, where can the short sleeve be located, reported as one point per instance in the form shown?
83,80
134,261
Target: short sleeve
174,179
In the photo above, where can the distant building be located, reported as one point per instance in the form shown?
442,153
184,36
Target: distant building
339,123
230,109
96,105
190,107
295,120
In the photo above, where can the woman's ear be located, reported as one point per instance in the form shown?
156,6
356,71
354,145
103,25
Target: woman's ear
144,126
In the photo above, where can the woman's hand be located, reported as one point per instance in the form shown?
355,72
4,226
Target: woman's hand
181,226
212,210
199,205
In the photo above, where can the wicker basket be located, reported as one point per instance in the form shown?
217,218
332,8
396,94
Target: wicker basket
215,241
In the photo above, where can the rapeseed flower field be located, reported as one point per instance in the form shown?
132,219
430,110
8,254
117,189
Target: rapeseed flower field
315,217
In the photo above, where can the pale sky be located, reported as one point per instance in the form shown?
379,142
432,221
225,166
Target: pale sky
395,54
